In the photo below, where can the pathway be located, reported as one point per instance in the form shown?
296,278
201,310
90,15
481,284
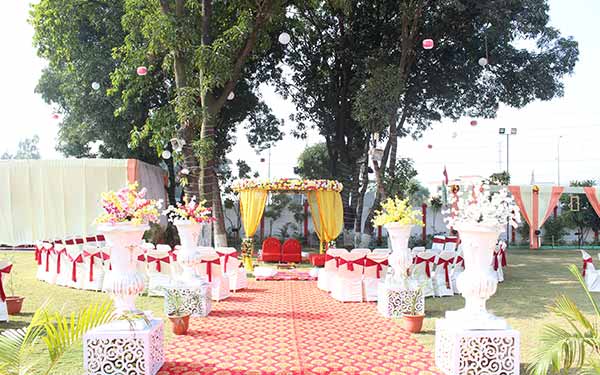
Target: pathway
292,327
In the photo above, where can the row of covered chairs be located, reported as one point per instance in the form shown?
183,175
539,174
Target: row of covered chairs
288,252
88,267
444,243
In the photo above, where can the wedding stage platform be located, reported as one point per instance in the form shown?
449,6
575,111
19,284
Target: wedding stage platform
292,327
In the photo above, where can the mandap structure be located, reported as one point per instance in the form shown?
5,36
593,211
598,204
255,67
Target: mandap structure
323,197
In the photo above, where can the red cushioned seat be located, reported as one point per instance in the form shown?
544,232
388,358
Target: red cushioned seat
271,250
317,260
291,251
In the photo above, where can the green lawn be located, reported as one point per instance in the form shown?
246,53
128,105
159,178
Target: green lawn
533,280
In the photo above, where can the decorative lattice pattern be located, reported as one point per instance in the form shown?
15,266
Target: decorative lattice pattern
197,301
395,303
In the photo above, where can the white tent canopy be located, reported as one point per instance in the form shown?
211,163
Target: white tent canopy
59,199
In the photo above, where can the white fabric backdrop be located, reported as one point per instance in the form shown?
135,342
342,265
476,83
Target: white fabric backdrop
58,199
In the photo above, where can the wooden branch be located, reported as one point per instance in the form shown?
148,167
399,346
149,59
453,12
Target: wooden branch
164,5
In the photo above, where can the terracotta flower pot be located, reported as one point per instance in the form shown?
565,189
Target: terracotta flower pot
180,324
413,323
14,304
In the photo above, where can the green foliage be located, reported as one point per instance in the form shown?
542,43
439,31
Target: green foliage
57,331
175,301
584,220
28,149
500,178
561,349
313,163
554,230
401,183
523,230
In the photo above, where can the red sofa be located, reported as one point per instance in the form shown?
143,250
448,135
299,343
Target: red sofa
291,252
271,250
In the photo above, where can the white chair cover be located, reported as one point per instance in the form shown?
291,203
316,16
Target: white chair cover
422,271
175,265
72,269
44,260
360,251
589,272
451,243
458,267
329,269
158,264
231,268
438,243
5,268
346,285
381,251
375,270
93,265
54,254
442,283
500,260
210,268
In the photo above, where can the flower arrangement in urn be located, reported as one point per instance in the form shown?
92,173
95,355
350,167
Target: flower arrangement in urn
479,215
128,205
189,210
398,218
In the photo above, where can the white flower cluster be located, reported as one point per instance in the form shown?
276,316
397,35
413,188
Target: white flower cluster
477,205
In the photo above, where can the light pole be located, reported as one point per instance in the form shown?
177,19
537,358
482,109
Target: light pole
503,131
558,159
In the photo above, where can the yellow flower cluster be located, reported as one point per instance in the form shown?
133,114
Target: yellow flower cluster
396,210
287,184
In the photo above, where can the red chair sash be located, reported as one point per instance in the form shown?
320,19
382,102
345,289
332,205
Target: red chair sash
331,257
74,261
38,254
209,264
157,261
350,263
173,254
372,263
5,270
58,255
460,260
419,260
226,257
48,252
445,263
98,254
502,257
585,265
439,240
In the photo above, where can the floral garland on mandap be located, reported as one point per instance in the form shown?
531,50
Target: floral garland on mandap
190,210
287,184
128,205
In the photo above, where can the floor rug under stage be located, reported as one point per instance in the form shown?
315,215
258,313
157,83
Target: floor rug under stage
288,275
291,327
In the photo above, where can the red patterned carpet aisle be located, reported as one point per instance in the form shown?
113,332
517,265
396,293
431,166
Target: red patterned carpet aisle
291,327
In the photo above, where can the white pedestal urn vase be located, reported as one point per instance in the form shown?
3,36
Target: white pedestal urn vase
400,259
479,281
188,255
125,281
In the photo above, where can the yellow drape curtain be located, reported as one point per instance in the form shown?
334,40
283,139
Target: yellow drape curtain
252,205
327,214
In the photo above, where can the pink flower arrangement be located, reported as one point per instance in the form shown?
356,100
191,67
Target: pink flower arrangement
128,205
190,210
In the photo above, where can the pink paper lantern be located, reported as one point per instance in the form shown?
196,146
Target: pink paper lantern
430,146
55,116
473,122
142,70
428,43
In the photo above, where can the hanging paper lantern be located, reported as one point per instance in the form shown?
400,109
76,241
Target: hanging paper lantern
473,122
231,96
284,38
430,146
95,85
142,70
428,43
483,61
454,134
166,154
177,144
55,116
185,171
262,160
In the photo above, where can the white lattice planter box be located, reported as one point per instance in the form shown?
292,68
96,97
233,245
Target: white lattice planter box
195,298
460,351
116,349
393,302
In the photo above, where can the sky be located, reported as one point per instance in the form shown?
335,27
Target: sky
569,126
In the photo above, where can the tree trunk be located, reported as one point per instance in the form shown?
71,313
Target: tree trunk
172,183
361,197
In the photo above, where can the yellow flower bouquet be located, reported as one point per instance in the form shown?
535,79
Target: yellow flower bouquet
396,210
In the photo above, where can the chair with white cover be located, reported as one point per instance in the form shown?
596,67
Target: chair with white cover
362,251
451,243
500,260
422,270
375,269
159,271
458,267
381,251
53,263
93,264
210,268
438,243
442,284
175,265
43,260
591,276
329,269
63,271
346,285
5,268
72,270
231,268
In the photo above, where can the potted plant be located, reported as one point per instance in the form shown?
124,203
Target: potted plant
14,303
178,314
125,219
398,218
413,318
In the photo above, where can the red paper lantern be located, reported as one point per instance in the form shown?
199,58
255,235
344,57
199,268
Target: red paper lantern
142,70
473,122
428,43
55,116
429,146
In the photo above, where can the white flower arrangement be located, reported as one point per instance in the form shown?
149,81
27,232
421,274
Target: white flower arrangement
477,205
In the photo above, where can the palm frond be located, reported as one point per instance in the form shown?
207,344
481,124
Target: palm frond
575,271
16,346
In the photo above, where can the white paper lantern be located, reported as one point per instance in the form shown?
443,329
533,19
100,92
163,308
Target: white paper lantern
483,61
95,85
284,38
166,154
231,96
454,134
